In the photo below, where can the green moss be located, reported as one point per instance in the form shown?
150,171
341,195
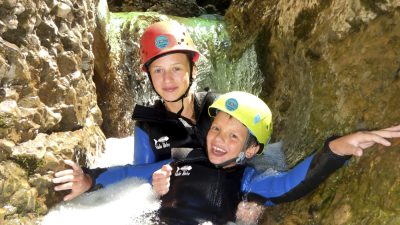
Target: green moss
304,23
29,163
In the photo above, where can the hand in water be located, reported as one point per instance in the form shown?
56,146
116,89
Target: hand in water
72,179
354,144
160,180
248,212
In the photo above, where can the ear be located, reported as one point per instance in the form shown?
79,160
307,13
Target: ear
251,151
194,72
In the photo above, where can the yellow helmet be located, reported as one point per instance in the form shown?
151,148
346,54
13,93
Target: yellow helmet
249,110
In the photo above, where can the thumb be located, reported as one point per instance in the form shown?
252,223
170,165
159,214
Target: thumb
167,167
357,151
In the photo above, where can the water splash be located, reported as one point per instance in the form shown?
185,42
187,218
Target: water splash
121,204
119,151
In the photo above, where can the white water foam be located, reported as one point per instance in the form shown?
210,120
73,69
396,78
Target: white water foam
119,204
123,203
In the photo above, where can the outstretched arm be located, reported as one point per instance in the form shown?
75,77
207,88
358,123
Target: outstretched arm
80,180
307,175
354,144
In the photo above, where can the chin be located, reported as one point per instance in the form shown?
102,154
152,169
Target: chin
169,97
216,161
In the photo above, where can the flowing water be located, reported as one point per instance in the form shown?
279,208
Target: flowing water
119,204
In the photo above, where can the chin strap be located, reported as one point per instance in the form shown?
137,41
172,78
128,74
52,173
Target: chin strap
240,159
237,160
181,98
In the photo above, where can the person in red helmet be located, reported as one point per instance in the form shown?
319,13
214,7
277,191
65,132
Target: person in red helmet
179,119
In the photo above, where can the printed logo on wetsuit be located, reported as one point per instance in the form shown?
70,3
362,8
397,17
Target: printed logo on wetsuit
162,142
161,42
183,171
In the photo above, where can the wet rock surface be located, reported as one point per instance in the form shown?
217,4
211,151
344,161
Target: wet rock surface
48,104
184,8
330,67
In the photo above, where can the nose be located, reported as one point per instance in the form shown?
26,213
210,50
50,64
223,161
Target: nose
168,76
220,137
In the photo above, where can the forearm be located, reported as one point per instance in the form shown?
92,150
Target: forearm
299,181
102,177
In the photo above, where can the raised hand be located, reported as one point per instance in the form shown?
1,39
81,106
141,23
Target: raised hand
73,179
160,180
354,144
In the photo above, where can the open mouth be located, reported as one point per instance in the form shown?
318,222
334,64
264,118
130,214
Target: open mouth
218,151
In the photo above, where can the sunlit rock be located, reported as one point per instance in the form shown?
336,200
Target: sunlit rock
63,10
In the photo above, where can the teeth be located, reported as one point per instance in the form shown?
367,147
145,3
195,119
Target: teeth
218,149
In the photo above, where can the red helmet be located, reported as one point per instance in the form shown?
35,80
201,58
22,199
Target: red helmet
163,37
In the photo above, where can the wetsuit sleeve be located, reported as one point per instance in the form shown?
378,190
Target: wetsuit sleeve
297,182
143,152
103,177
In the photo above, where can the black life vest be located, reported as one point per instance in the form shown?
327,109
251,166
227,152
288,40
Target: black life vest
167,130
200,192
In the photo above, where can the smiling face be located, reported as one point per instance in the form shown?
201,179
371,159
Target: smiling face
226,139
170,75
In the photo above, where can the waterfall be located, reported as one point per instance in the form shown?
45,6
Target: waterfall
216,69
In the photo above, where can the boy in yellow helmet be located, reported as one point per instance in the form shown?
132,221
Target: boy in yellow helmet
198,188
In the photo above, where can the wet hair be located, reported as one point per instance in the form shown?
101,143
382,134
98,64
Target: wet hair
252,141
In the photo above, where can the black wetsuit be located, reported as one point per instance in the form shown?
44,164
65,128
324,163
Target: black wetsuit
200,192
158,130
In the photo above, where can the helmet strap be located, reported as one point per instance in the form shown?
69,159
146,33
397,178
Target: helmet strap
184,95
